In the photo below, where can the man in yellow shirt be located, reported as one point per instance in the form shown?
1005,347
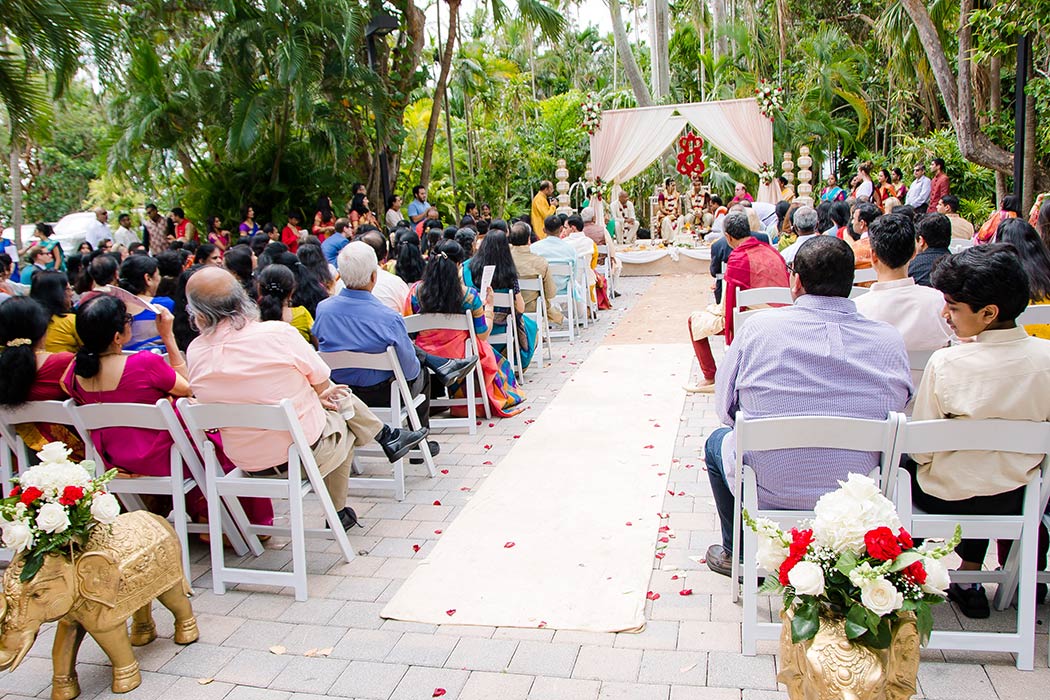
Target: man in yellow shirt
542,207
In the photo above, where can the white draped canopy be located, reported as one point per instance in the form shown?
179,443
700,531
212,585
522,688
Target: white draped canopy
629,140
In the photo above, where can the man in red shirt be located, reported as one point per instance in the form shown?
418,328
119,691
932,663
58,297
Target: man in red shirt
939,185
752,264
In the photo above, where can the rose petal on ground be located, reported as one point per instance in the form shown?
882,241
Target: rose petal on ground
681,493
487,447
415,548
530,421
444,471
487,463
277,649
664,528
659,555
652,596
438,692
508,545
661,473
204,681
543,623
689,466
437,503
665,540
686,591
464,488
628,523
670,493
675,577
515,436
647,447
451,612
438,532
656,425
492,425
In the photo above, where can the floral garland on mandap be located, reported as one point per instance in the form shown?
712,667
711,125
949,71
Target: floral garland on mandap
54,506
592,113
856,562
766,173
769,99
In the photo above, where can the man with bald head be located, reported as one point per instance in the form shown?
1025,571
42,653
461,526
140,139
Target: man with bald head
239,359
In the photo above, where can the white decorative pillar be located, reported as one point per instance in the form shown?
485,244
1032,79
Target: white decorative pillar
805,190
562,186
788,165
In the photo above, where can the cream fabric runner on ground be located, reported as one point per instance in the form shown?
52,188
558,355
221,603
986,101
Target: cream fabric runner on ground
563,532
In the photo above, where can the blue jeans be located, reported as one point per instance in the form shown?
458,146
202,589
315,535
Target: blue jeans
724,500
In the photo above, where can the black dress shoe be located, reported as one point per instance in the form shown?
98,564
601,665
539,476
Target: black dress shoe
972,602
617,295
348,518
435,450
720,560
396,442
453,371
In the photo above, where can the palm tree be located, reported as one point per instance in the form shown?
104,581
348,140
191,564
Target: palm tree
630,65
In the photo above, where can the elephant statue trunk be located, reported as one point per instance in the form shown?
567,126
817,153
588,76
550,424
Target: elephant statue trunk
120,571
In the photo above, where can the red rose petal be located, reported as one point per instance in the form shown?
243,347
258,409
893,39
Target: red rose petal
665,540
492,425
661,473
681,493
660,555
515,436
689,466
663,516
670,493
444,471
647,447
464,488
437,503
438,532
508,545
530,421
656,425
451,612
487,447
487,463
675,577
665,528
415,548
628,523
686,591
652,596
479,422
543,623
438,692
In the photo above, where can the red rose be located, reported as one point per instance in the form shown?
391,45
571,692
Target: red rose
882,544
15,491
786,568
800,541
916,573
905,539
31,494
70,495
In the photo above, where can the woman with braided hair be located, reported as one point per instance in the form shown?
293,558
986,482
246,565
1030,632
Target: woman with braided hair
276,287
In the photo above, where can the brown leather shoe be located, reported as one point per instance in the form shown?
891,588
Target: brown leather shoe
720,560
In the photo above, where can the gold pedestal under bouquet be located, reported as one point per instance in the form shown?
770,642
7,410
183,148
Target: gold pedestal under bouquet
82,563
857,596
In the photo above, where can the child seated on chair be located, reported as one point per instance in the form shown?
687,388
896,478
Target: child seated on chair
1003,374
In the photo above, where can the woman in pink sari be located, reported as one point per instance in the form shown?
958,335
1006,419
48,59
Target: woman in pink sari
441,291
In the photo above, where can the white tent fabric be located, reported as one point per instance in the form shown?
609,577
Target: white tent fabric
630,139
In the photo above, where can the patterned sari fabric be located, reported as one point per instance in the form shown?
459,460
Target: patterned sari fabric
504,395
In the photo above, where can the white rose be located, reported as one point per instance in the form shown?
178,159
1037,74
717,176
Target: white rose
105,508
937,578
53,453
881,597
771,553
52,518
17,535
807,578
842,517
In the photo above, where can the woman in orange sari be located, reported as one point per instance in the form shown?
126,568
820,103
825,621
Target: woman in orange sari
441,291
1007,210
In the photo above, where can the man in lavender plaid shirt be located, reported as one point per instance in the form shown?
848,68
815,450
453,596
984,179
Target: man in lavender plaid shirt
818,357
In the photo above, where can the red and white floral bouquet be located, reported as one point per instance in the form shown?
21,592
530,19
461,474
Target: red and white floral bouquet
592,113
766,173
54,506
770,98
853,561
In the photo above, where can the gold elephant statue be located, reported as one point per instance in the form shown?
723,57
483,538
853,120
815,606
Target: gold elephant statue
118,573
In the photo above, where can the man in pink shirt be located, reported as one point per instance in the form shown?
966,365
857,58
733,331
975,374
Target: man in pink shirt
239,359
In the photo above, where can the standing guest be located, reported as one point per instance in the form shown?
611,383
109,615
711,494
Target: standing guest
884,190
28,372
486,213
337,241
939,185
39,258
249,227
832,192
1042,222
918,196
51,290
472,210
217,236
934,234
241,261
900,190
324,219
410,263
389,289
155,230
805,223
185,231
781,348
1035,258
207,254
360,213
530,265
140,275
419,206
740,194
393,211
291,236
224,367
751,264
625,218
276,285
961,228
985,288
124,235
98,231
46,239
1009,208
542,207
865,190
895,299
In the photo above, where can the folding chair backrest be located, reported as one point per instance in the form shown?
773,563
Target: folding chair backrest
385,361
918,359
866,274
530,284
830,432
58,412
763,295
1035,313
992,435
855,292
504,300
431,322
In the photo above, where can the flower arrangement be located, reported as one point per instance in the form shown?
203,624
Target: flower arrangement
54,506
766,173
592,113
769,98
853,561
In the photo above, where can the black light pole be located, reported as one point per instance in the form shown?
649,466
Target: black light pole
1024,57
380,25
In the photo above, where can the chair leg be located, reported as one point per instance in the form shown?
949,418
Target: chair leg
178,512
399,479
218,563
483,392
298,528
1026,590
472,404
749,630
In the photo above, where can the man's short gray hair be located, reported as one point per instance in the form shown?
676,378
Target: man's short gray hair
357,263
209,310
805,219
587,213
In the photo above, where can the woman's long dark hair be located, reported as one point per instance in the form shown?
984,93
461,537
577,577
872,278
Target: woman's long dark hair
309,291
324,206
49,288
276,284
238,260
209,224
45,229
99,319
495,250
204,250
1033,254
441,291
311,256
21,318
133,273
182,326
410,263
358,204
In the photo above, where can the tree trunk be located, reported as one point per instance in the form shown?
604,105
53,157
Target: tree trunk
995,104
718,18
630,66
439,92
658,49
15,173
1031,158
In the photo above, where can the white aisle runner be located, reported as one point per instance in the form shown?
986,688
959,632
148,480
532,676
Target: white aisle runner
563,532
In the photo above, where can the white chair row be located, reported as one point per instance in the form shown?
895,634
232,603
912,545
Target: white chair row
543,336
752,301
892,438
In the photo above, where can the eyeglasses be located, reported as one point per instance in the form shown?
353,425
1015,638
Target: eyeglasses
790,268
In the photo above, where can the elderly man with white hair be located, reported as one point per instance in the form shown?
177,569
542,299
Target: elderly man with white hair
805,222
356,321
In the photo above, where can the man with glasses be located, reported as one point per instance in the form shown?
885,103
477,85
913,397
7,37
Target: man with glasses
818,357
919,192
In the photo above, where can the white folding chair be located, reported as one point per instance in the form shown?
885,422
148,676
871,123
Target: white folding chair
863,275
1034,313
474,382
958,245
302,478
605,266
758,297
583,263
567,272
543,336
403,409
56,412
160,417
1026,437
858,292
509,336
793,432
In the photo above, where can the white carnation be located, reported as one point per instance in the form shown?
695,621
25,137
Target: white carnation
17,535
52,518
105,508
54,453
807,578
845,515
53,478
937,578
881,597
